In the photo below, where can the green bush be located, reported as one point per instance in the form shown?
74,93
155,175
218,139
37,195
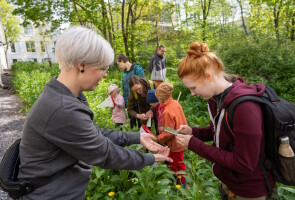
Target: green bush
267,61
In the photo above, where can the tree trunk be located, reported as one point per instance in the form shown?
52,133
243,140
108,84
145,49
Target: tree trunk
157,33
104,24
293,27
76,10
276,22
133,20
204,29
276,13
112,25
205,11
242,16
125,29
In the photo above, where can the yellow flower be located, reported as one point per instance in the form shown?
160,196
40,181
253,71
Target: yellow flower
111,194
178,186
200,191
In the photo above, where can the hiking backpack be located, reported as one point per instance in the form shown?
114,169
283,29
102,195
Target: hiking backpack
279,121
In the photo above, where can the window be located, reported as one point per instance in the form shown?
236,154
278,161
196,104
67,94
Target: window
28,30
43,46
30,46
13,47
47,60
33,59
14,60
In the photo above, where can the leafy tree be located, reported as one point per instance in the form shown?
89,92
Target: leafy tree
11,24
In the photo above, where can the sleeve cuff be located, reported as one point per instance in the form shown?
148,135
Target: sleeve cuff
195,131
134,137
150,159
194,144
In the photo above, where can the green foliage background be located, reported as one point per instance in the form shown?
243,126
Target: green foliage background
259,50
157,182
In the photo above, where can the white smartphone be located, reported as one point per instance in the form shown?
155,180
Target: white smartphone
171,130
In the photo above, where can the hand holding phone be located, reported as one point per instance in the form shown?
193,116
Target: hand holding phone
171,130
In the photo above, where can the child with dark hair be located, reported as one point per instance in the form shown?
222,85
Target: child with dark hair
154,102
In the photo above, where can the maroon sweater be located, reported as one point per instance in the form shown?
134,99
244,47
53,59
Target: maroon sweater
238,169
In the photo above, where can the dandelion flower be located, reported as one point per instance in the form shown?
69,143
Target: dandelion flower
111,194
200,191
178,186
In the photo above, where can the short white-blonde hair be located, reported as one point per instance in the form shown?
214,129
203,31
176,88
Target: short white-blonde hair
79,44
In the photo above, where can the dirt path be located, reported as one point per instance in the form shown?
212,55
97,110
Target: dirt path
11,121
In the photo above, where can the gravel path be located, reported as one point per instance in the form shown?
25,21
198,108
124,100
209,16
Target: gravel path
11,121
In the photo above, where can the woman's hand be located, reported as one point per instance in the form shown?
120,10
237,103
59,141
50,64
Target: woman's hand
162,155
148,141
185,129
183,140
149,113
142,116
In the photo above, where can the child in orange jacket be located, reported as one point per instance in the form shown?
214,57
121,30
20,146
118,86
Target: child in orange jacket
171,115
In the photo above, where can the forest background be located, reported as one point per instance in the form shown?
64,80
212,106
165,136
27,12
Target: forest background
254,38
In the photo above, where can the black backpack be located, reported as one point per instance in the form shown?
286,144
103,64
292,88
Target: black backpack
9,168
279,120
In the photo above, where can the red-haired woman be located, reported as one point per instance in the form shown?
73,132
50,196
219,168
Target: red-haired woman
202,72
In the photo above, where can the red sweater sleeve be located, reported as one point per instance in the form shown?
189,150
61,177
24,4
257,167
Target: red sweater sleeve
205,134
248,130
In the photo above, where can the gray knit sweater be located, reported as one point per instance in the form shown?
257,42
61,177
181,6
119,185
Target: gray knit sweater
59,136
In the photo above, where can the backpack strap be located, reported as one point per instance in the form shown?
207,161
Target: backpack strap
271,94
229,112
228,125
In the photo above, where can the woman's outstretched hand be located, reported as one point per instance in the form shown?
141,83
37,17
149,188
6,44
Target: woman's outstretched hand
162,155
183,140
185,129
148,141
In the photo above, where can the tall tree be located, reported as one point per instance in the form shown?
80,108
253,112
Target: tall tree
240,2
206,4
11,25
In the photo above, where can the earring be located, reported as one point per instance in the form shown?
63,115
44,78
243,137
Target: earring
82,71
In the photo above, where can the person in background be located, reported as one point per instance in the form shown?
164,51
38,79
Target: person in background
138,91
202,72
154,102
60,142
157,66
128,71
171,115
118,111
